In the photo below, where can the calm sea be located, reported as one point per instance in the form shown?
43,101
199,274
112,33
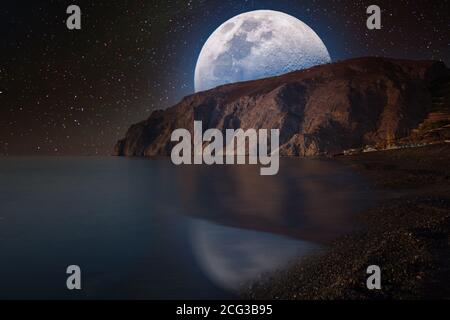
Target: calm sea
141,228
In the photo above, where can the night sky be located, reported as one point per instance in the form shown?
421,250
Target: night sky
68,92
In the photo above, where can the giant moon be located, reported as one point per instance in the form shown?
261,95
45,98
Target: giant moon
255,45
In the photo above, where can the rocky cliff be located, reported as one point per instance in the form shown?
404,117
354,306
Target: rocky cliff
319,111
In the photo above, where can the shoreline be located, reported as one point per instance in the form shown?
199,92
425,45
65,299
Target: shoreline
407,234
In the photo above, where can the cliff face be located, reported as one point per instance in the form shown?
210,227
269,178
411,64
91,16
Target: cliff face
322,110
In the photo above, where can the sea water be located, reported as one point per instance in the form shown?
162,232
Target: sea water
144,228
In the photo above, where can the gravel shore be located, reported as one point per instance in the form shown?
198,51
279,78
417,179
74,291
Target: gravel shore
407,234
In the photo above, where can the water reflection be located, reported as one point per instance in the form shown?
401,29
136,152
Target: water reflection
309,199
232,257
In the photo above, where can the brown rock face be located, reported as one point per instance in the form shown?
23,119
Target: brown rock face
320,111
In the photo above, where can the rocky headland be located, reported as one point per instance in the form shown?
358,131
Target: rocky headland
325,110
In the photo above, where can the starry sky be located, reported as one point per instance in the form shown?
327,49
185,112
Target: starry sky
76,92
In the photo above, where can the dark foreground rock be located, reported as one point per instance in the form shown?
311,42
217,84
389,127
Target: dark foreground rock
320,111
407,234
